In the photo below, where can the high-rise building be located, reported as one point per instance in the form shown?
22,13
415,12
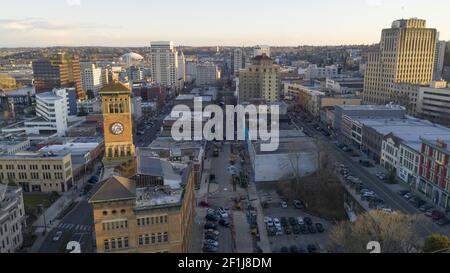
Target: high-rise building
259,80
406,55
117,123
439,60
164,63
181,69
238,60
135,74
92,79
260,50
59,71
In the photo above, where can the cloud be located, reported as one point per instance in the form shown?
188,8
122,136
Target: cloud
35,23
72,3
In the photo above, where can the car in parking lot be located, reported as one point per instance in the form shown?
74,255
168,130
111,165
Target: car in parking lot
284,204
308,221
212,232
296,229
210,226
403,192
320,228
298,204
210,249
212,217
276,222
284,221
292,221
268,221
300,221
425,207
211,237
311,248
287,230
212,243
224,222
312,229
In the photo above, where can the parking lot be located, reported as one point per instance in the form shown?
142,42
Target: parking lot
300,240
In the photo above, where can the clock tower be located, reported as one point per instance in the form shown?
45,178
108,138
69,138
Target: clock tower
117,124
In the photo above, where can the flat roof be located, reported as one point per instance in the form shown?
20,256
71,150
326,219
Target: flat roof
370,107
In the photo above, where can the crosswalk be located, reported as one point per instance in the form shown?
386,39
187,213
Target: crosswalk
75,227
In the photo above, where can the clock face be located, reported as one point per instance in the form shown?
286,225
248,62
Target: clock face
117,128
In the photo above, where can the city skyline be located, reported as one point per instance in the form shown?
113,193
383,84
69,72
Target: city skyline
324,22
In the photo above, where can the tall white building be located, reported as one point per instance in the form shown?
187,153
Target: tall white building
260,50
91,78
439,60
12,218
181,69
52,109
207,74
164,63
238,59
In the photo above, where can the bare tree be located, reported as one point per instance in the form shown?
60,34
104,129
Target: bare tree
396,233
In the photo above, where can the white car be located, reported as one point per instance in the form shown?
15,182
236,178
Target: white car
268,221
57,236
276,222
223,214
284,205
300,221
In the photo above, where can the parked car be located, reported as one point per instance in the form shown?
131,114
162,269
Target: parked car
293,249
408,196
287,230
300,221
403,192
212,243
320,228
211,237
296,229
304,229
312,248
443,221
308,221
224,223
284,221
366,163
276,222
429,212
284,204
212,232
268,220
298,204
292,221
210,226
312,229
210,249
212,217
425,207
57,236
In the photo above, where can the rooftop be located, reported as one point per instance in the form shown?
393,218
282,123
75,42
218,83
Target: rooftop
370,107
115,87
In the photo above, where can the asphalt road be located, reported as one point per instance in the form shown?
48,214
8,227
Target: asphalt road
391,198
221,198
77,226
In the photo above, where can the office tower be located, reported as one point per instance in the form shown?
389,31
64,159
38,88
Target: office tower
405,55
117,124
439,60
164,63
207,74
92,79
52,109
59,71
181,69
259,80
135,74
260,50
238,59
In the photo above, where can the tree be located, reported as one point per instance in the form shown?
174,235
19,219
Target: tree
435,243
396,233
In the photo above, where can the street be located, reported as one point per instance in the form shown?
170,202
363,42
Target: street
394,200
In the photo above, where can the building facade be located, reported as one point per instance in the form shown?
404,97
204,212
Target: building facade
403,47
12,218
207,74
38,171
117,123
260,80
164,63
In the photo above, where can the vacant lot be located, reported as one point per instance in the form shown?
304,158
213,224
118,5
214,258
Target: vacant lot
322,193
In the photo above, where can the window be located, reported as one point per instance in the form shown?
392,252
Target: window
106,245
113,244
125,242
166,236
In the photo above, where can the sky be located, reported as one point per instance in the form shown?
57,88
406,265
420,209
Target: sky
29,23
